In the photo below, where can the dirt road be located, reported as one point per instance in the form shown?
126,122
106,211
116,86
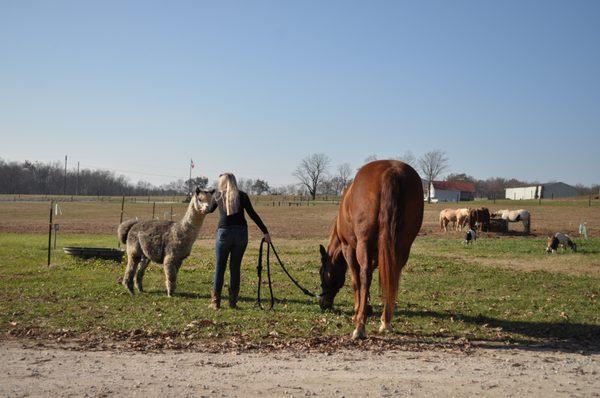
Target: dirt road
485,372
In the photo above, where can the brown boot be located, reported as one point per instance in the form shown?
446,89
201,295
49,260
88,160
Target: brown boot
233,298
215,302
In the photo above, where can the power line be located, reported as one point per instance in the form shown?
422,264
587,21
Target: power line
128,171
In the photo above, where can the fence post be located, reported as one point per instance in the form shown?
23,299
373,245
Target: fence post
153,208
590,201
50,233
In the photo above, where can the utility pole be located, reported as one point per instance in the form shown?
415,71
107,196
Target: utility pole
190,180
77,183
65,183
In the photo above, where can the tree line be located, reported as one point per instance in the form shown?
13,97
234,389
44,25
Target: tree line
49,178
315,175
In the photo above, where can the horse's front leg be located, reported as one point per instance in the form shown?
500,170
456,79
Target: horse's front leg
350,256
364,261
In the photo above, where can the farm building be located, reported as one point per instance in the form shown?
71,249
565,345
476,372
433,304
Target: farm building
446,191
545,191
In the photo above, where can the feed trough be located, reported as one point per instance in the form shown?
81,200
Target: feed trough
95,252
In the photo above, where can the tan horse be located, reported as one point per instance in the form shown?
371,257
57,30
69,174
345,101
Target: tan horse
378,220
515,216
462,217
447,216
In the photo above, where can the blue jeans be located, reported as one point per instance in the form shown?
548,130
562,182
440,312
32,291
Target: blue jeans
230,243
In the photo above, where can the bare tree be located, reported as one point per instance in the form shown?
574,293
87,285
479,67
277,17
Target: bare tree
344,171
371,158
311,170
408,158
432,164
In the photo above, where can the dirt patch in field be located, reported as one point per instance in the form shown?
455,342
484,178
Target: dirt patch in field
282,221
568,264
554,264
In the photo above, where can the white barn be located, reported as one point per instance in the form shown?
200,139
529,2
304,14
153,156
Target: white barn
550,190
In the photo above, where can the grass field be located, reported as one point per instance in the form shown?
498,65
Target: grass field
503,289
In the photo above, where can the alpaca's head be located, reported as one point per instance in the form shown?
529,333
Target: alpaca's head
202,200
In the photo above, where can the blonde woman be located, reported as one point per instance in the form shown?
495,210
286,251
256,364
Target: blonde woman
232,236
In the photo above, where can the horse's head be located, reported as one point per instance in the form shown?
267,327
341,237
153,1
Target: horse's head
333,276
552,244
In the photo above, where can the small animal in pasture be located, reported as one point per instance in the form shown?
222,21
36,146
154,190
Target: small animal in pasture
470,236
164,242
378,219
515,216
462,218
447,216
562,240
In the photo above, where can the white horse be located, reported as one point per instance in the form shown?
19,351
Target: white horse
462,217
515,216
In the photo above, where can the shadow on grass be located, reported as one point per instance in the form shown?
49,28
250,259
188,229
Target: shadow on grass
243,299
564,336
560,335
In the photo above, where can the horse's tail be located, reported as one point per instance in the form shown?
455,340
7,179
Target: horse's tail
124,228
390,225
441,220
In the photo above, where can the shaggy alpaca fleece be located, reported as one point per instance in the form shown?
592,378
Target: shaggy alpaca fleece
163,242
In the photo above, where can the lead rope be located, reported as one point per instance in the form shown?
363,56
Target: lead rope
259,268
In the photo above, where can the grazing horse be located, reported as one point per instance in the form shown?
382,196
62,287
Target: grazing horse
447,216
515,216
462,217
378,219
480,218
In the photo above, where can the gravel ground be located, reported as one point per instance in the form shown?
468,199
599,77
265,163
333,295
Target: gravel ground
28,371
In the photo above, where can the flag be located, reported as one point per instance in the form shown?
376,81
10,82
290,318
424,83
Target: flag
192,164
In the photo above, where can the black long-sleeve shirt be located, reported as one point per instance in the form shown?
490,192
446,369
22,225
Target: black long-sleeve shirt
237,218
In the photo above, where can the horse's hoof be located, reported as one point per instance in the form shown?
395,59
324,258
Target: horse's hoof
359,334
385,328
129,289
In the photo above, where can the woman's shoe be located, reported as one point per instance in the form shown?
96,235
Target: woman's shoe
233,298
215,302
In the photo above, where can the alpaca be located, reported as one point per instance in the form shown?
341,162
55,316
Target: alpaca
164,242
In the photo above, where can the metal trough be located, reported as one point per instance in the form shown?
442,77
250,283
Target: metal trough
95,252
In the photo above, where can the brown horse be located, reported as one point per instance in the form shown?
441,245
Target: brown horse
379,217
481,217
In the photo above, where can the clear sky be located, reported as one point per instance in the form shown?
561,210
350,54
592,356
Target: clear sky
506,88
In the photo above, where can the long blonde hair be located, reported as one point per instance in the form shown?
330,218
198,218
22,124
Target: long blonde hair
230,193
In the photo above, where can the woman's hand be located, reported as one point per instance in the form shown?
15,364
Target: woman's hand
267,238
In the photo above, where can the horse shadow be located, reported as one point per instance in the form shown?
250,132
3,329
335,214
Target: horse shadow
563,336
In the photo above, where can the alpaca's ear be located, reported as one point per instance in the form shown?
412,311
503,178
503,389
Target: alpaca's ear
212,191
197,191
323,251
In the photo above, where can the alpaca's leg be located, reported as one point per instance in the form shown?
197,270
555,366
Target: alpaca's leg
171,266
132,263
139,275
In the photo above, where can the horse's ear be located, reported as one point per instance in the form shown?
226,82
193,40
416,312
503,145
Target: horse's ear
323,251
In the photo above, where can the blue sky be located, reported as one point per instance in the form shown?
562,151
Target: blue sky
505,88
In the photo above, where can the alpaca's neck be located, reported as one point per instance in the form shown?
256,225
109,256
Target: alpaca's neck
192,221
